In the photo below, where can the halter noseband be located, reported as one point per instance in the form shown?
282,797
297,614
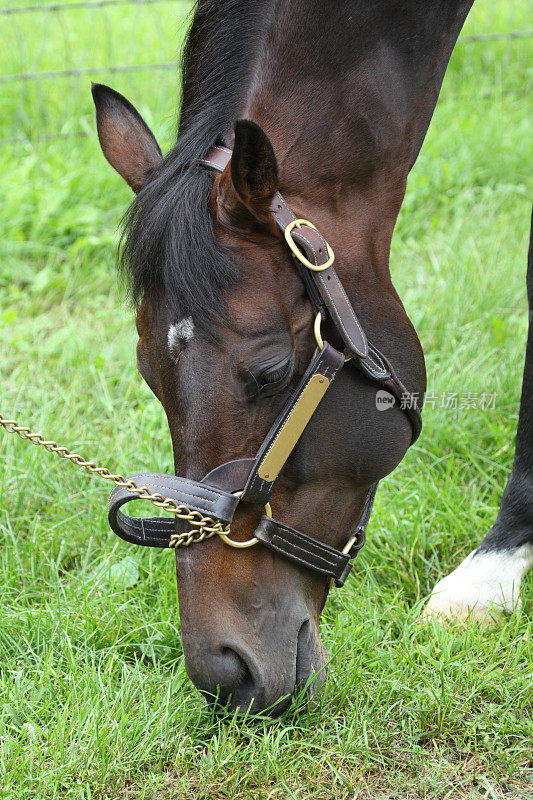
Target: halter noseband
210,504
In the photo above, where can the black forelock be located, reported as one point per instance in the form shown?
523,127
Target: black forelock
168,242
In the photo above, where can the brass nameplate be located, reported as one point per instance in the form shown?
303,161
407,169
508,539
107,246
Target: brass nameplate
293,427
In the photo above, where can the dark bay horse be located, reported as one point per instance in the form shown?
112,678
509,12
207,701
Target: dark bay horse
327,101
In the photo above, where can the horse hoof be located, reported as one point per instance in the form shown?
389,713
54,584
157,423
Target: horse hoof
447,612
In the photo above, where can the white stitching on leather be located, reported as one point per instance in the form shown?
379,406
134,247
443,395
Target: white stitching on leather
376,372
170,485
375,360
299,230
212,164
328,563
300,234
314,547
350,309
330,298
289,209
153,528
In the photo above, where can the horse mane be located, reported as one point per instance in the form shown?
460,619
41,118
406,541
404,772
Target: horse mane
168,245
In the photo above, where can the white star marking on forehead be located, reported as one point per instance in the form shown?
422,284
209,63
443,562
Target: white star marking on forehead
180,332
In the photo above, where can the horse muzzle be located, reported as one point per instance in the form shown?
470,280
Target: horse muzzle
236,668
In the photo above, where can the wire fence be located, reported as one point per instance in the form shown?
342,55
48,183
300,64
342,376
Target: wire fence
61,73
35,76
14,10
64,73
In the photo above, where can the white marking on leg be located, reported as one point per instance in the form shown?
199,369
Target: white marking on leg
484,580
180,332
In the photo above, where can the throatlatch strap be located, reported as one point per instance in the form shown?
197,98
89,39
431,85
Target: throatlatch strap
158,531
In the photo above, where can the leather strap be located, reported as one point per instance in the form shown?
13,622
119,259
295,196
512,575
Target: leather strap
360,528
281,440
231,476
326,281
303,550
312,554
217,158
157,531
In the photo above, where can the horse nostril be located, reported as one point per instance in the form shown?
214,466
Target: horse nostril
310,662
242,682
303,656
229,679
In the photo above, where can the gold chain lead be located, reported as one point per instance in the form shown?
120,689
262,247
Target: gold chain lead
203,527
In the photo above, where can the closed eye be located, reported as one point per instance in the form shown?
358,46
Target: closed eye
275,376
267,380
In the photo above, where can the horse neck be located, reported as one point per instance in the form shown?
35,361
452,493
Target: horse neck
346,91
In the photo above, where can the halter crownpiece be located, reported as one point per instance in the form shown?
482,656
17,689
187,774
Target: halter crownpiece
209,505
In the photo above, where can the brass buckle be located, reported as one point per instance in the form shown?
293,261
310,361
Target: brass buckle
248,542
297,223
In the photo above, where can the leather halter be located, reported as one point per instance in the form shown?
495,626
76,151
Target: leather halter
253,479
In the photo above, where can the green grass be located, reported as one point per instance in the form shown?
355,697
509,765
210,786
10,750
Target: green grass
94,699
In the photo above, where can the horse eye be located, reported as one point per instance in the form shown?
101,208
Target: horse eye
274,379
266,380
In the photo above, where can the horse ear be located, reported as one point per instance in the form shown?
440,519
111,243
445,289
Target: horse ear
251,178
126,140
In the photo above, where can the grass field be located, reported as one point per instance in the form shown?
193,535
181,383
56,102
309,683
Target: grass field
94,699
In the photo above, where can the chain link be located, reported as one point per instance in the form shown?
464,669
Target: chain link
203,527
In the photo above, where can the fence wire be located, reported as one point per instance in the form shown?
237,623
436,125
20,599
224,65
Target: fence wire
82,4
491,37
62,73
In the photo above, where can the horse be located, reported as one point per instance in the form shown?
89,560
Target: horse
325,105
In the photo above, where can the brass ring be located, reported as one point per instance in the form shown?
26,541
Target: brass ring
318,335
349,544
248,542
297,223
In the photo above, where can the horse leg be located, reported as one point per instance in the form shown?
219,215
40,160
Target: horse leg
489,578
